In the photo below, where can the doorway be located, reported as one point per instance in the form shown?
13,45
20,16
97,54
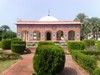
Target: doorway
48,36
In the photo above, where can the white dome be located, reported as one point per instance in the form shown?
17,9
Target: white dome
48,18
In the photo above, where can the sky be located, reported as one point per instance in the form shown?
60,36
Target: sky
13,10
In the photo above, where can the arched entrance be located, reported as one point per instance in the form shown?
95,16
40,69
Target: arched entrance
48,35
71,35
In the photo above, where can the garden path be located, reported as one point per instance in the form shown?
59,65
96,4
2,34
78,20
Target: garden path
24,67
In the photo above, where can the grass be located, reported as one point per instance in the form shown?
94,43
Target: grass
6,64
98,64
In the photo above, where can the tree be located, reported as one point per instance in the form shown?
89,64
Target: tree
0,34
5,32
95,27
9,35
5,27
83,19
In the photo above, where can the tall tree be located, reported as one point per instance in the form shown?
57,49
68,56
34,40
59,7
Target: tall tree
5,32
95,27
5,27
83,19
9,35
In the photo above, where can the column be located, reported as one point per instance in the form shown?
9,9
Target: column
66,36
77,35
54,36
42,36
19,35
30,37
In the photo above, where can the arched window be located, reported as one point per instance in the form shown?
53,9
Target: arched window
36,35
24,35
59,34
71,35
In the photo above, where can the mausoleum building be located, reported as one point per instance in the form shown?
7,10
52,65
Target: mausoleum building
48,28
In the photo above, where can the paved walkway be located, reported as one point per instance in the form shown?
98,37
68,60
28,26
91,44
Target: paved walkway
72,68
24,67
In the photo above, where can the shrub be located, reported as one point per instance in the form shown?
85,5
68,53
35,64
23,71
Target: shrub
72,45
91,52
6,44
45,43
18,48
98,45
96,71
18,42
0,44
16,39
86,61
89,43
48,60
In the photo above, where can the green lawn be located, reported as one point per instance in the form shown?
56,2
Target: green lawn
6,64
98,64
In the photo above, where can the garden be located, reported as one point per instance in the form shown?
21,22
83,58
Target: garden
87,54
10,50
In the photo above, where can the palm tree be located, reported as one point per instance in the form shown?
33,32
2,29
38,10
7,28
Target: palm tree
95,27
83,19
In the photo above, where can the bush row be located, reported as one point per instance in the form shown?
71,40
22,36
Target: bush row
15,44
98,45
89,43
86,61
81,45
49,59
73,45
6,44
0,44
96,71
45,43
91,52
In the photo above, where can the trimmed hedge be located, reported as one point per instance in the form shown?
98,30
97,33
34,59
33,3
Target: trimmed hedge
96,71
89,43
16,39
6,44
0,44
86,61
45,43
91,52
98,45
48,60
18,46
73,45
